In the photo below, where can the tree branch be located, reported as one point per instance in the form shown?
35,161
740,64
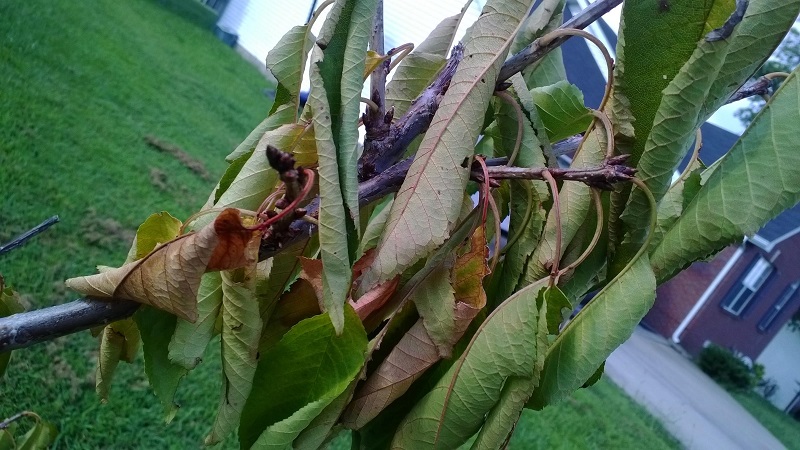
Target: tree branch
20,240
379,177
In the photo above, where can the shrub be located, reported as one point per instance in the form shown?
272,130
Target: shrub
726,368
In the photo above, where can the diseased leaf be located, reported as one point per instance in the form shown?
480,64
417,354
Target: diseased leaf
120,340
429,201
562,110
190,340
602,326
756,180
287,62
241,331
156,328
505,346
418,69
169,277
283,402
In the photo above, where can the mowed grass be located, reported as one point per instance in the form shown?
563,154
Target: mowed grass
781,425
82,84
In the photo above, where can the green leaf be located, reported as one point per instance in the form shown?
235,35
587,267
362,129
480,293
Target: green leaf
602,326
315,434
333,237
284,115
345,36
190,340
7,440
295,380
673,131
548,16
120,340
675,200
241,331
505,346
287,62
419,68
435,303
561,108
156,229
374,229
230,174
754,182
429,201
284,271
156,328
40,437
9,304
501,419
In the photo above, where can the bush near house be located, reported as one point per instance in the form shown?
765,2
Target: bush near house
729,370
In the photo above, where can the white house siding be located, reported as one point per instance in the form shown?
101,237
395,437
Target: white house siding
782,365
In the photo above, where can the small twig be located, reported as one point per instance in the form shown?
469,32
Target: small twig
20,240
318,13
401,51
603,118
603,177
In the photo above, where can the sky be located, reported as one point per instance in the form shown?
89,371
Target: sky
405,21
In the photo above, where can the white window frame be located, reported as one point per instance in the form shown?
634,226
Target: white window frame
747,287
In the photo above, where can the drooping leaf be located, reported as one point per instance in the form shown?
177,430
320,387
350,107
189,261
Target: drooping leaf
169,277
429,202
501,419
241,331
287,62
345,36
190,340
562,110
119,341
283,115
547,16
505,346
753,40
230,175
297,304
602,326
156,328
333,237
677,197
436,306
374,229
754,182
674,126
318,431
418,69
39,437
323,364
9,304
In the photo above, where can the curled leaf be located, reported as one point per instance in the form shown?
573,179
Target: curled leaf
169,277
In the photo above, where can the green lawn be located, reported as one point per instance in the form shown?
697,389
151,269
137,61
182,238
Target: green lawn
82,84
782,426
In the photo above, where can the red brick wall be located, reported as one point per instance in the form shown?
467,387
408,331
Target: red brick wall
676,297
714,324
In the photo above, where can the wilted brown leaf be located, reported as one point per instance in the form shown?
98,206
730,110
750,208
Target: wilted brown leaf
416,352
169,277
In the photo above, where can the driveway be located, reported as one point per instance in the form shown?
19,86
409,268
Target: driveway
700,414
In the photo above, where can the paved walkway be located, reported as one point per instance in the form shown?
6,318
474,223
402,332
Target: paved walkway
700,414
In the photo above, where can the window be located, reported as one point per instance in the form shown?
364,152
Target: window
741,294
777,307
